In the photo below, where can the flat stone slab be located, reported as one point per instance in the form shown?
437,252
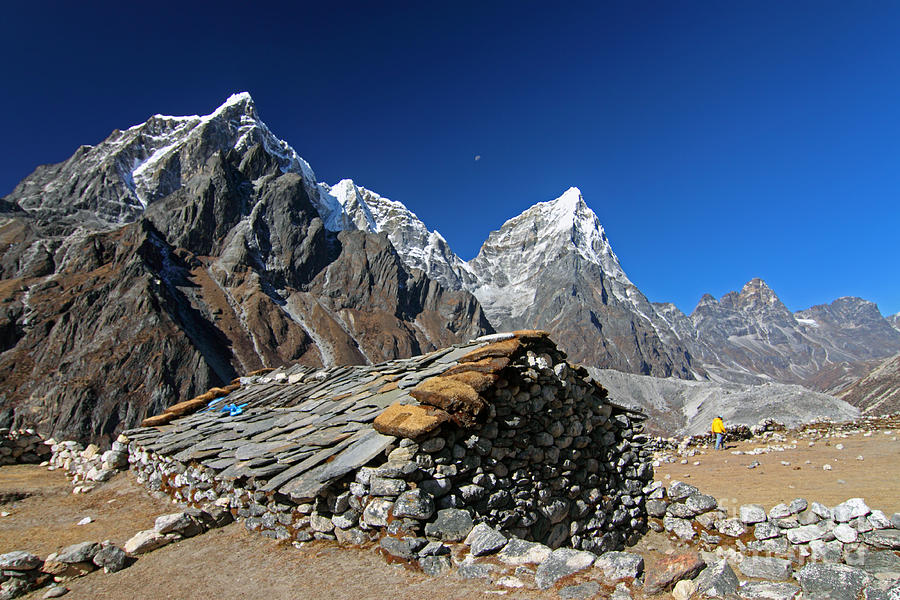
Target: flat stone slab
883,538
363,447
717,580
617,566
766,567
768,590
521,552
146,541
19,560
78,553
451,525
832,582
560,563
484,539
664,573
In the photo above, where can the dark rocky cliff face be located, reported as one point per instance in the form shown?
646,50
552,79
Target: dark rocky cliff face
109,312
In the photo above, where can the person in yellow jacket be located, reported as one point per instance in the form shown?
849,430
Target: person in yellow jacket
718,428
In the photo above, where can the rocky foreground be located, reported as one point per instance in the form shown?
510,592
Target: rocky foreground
698,548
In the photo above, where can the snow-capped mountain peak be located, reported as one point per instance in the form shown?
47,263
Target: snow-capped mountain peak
530,240
359,208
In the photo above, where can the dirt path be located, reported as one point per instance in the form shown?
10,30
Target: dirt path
46,519
725,476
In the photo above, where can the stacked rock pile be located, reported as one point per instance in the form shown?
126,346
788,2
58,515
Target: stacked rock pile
502,428
87,467
771,544
22,446
21,572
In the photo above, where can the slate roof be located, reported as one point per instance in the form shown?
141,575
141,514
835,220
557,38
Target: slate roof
301,428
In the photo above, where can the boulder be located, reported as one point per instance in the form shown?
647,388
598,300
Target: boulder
146,541
752,513
620,565
664,573
765,567
415,504
717,580
111,559
451,525
768,590
484,539
560,563
832,582
19,560
520,552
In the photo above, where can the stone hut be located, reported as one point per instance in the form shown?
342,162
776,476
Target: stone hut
502,428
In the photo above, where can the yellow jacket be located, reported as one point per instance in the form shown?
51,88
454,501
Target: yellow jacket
718,426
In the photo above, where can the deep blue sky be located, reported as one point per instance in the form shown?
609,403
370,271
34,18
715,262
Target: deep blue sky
716,141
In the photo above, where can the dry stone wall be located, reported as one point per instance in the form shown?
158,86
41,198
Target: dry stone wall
22,446
536,451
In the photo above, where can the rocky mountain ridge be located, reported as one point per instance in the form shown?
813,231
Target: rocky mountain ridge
214,231
751,337
182,253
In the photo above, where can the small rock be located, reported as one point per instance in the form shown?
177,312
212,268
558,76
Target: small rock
56,591
684,589
77,553
415,504
508,581
85,521
731,527
172,523
844,533
679,491
768,590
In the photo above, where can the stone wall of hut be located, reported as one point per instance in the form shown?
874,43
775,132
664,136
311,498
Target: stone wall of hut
550,460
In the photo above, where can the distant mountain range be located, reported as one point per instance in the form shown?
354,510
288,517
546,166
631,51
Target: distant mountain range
184,251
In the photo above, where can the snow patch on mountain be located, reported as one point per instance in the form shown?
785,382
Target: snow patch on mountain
419,248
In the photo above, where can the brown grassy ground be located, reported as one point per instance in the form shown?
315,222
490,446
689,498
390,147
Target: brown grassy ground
726,477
